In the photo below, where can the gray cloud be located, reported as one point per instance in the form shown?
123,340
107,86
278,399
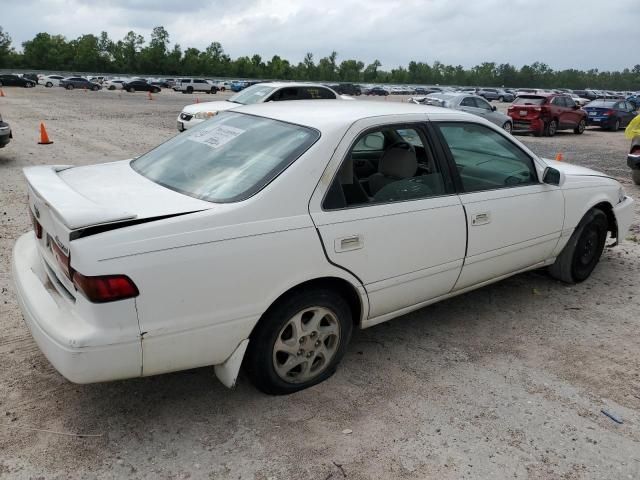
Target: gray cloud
564,34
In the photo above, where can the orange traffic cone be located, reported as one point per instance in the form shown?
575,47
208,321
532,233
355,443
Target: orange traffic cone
559,157
2,93
149,95
44,138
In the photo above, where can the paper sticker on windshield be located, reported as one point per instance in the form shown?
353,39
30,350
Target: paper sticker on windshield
216,137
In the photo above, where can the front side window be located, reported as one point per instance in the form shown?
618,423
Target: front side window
486,159
480,103
397,164
227,158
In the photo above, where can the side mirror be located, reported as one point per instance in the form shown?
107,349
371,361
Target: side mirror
553,176
493,108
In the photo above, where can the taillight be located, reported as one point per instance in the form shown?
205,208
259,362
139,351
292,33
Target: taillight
105,288
610,112
36,225
64,260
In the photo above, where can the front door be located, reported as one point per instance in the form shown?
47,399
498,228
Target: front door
397,225
514,221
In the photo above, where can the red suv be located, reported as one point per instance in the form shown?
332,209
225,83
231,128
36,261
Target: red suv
542,114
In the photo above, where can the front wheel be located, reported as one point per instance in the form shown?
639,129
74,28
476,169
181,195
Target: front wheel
507,127
635,176
213,90
189,89
95,88
501,98
299,341
583,250
580,128
551,128
48,85
156,90
131,90
69,87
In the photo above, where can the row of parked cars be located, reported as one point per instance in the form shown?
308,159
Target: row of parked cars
540,112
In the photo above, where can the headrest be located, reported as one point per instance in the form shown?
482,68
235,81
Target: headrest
398,163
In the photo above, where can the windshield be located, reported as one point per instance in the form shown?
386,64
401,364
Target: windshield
253,94
526,100
227,158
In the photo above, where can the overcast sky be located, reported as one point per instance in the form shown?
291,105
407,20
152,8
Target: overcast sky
562,33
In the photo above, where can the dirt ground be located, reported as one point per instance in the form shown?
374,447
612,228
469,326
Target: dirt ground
505,382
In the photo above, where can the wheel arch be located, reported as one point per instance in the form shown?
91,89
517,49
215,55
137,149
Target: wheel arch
612,223
343,287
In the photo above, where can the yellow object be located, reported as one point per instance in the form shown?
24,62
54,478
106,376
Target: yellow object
633,129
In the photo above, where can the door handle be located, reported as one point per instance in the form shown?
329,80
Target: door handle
480,219
346,244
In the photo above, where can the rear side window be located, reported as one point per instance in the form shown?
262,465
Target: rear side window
227,158
316,93
486,159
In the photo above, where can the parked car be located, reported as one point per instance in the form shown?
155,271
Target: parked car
346,89
379,91
634,99
610,114
160,83
191,85
114,84
51,80
580,101
11,80
256,239
471,104
140,86
546,114
222,85
192,115
495,94
78,82
5,133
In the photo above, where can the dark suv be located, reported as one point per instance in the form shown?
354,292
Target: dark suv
543,114
346,89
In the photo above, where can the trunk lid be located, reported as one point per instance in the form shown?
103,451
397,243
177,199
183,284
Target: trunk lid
65,199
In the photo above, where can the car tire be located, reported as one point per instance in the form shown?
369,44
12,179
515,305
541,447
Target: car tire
582,125
267,364
583,250
213,90
0,84
95,88
551,128
501,98
635,176
156,90
111,87
190,90
507,127
48,84
616,126
131,90
70,87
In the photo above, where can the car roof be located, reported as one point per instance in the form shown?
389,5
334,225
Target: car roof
321,114
290,84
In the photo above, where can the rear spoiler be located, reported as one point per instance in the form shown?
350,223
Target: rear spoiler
73,209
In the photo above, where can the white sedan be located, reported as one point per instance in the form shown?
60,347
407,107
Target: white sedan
268,233
51,80
259,93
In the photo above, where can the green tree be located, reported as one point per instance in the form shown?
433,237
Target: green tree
6,51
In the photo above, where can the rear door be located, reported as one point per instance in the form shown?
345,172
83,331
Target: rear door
514,221
404,239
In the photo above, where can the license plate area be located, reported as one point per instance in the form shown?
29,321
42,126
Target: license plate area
523,113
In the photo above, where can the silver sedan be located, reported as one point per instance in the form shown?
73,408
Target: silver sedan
467,103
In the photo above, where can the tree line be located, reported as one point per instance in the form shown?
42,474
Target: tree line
133,55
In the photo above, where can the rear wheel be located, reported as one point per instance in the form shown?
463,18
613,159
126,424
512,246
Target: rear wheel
616,125
131,89
69,87
583,250
213,90
507,127
95,88
501,98
299,341
635,176
156,90
551,128
580,128
189,89
111,87
48,84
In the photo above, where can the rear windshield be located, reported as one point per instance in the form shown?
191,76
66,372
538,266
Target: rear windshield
227,158
600,103
529,100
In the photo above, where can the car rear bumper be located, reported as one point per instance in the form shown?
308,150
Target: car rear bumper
54,326
5,137
527,126
600,121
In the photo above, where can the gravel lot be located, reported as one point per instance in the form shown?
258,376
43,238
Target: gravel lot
504,382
